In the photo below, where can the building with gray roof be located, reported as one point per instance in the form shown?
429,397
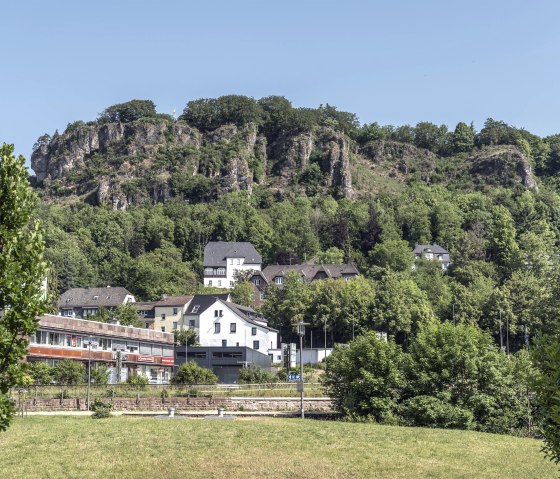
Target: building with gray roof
224,260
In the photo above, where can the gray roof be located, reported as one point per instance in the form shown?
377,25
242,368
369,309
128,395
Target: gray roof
309,271
204,301
435,248
244,311
216,252
93,297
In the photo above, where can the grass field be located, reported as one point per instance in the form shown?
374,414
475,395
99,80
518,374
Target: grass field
144,447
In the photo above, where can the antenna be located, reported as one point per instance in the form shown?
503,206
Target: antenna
174,114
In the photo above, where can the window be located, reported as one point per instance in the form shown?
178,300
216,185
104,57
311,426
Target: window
216,327
253,331
279,280
163,316
147,325
163,329
231,284
195,308
175,324
238,261
255,345
215,313
221,271
231,261
221,313
167,352
257,281
210,282
232,327
224,343
132,347
262,295
208,271
145,349
219,283
89,312
96,297
174,311
191,323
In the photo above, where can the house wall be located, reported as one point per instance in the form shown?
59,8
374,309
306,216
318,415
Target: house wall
205,324
170,317
232,266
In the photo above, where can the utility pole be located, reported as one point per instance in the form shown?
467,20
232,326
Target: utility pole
89,343
300,325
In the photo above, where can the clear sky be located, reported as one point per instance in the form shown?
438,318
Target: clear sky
394,62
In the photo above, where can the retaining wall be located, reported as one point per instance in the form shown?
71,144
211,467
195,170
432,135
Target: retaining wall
192,404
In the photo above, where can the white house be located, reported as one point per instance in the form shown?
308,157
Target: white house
432,252
222,323
222,260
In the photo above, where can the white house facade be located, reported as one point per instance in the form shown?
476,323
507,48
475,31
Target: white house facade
223,260
222,323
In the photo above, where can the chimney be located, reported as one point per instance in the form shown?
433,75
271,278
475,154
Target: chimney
165,296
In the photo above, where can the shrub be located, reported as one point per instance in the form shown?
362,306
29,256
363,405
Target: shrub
101,409
430,411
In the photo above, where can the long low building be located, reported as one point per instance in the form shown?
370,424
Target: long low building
142,351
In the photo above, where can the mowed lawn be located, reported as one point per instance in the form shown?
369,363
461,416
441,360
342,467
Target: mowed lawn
144,447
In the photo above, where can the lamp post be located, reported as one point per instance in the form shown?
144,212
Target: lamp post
89,343
300,325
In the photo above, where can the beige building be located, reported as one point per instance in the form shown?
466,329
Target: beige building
168,313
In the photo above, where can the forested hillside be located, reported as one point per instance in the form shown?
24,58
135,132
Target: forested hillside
132,198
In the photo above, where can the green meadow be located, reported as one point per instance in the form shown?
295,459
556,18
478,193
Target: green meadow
145,447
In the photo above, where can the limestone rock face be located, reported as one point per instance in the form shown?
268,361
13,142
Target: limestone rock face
503,165
157,159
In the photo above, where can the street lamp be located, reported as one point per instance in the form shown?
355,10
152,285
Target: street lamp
300,325
89,343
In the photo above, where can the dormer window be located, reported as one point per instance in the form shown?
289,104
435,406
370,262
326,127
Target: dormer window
195,309
279,280
96,297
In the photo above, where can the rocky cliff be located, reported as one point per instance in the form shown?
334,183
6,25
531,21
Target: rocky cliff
157,159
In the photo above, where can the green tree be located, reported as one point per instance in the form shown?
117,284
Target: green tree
462,139
127,315
461,367
333,255
130,111
393,254
366,378
99,374
40,372
243,293
546,357
185,337
191,373
69,372
22,270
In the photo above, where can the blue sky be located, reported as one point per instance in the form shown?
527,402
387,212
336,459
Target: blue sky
392,62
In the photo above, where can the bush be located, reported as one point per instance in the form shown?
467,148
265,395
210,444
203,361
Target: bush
101,409
191,373
430,411
255,375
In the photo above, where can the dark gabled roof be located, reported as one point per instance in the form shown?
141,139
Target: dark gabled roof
309,271
435,248
204,301
174,301
243,312
93,297
216,252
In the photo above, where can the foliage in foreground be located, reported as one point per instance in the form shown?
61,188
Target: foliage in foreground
546,355
21,272
451,377
191,373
